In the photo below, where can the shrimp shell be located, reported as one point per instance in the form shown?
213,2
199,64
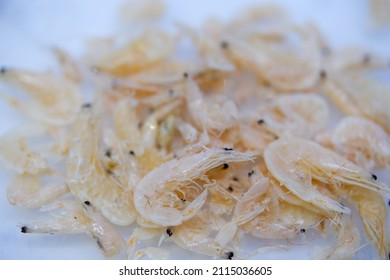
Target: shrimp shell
170,175
86,177
301,115
295,162
363,142
53,100
357,95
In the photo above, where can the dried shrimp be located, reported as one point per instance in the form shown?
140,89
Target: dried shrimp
202,152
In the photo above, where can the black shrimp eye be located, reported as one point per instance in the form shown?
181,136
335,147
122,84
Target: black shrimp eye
225,166
261,121
169,231
374,177
86,105
24,229
227,149
303,230
229,255
87,203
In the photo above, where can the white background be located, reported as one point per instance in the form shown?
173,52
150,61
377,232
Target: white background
29,28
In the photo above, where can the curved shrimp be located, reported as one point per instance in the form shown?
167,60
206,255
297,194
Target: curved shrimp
301,115
362,141
275,61
282,221
69,217
26,190
357,95
197,234
299,163
88,180
215,113
139,54
158,196
53,100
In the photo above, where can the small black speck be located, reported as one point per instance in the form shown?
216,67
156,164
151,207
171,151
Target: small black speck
185,75
251,173
87,203
228,149
24,229
230,189
108,153
109,172
75,218
276,137
261,121
224,45
366,58
229,255
174,155
86,105
169,231
3,70
131,153
235,179
225,166
303,230
374,177
388,202
183,200
322,74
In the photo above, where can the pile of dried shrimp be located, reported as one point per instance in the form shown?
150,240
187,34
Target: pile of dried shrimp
204,150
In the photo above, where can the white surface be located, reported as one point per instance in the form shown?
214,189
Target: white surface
28,28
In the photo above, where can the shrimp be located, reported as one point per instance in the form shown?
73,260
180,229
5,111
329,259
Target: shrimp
88,180
299,163
17,155
373,214
275,61
139,54
26,191
357,95
215,113
196,234
158,196
282,221
71,218
53,100
300,115
363,142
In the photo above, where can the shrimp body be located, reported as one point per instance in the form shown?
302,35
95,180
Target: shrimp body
301,115
53,100
69,217
196,234
158,196
87,178
26,191
299,163
357,95
363,142
281,221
